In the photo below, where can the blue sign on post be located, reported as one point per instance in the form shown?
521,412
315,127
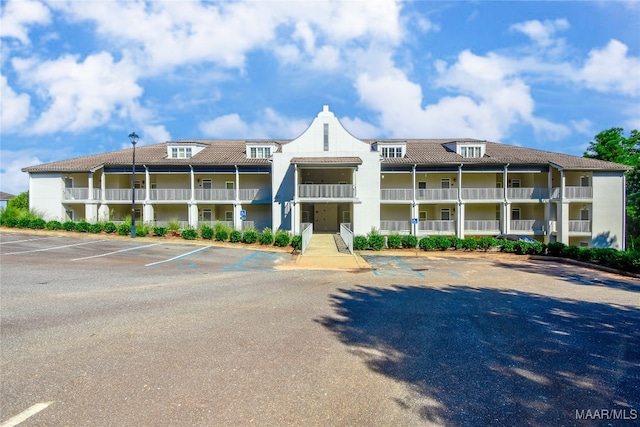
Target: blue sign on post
243,215
414,220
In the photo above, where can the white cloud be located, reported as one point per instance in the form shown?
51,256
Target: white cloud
79,95
541,32
610,70
17,15
359,128
15,107
13,180
269,125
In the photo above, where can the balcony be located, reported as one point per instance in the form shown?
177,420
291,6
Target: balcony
169,194
215,194
396,194
482,193
579,226
527,225
438,194
483,226
576,193
439,227
528,193
395,226
122,194
79,193
325,191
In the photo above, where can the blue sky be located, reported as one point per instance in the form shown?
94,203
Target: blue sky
78,76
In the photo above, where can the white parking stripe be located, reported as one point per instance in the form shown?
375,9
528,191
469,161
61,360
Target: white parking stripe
177,257
56,247
24,415
116,252
29,240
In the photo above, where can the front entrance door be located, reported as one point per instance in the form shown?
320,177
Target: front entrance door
325,217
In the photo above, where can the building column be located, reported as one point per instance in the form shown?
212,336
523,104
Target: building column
103,210
562,222
237,222
548,208
90,179
506,217
460,220
237,185
193,214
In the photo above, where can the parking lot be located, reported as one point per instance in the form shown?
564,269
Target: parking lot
99,331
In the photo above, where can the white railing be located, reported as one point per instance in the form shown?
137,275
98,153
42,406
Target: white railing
482,225
439,226
214,222
331,191
527,193
182,224
482,193
527,225
215,194
396,194
578,192
437,194
169,194
248,224
307,234
347,236
123,194
248,193
580,226
395,225
76,193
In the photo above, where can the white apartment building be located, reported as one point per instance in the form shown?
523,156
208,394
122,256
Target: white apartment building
327,177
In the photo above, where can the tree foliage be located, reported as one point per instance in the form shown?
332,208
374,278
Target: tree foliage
613,146
21,201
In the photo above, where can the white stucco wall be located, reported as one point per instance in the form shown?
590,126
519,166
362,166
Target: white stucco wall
45,195
608,210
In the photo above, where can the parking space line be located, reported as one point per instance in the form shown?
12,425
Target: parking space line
177,257
30,240
24,415
116,252
56,247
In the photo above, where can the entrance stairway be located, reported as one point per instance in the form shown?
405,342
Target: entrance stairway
323,254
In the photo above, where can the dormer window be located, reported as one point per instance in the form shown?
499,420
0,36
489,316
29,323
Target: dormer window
391,150
259,152
471,151
181,152
467,149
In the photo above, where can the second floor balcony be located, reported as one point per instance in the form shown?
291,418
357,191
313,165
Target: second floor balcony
164,194
326,191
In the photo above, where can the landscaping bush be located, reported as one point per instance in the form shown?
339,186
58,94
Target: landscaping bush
296,242
282,238
266,237
394,241
124,229
37,223
375,241
555,248
69,226
160,231
485,243
585,254
221,235
508,246
469,244
95,228
10,222
249,236
110,227
235,236
54,225
206,232
82,226
628,261
570,252
409,241
142,230
360,243
427,244
23,222
189,234
604,256
173,226
456,242
442,243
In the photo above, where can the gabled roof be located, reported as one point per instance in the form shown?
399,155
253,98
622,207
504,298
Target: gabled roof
6,196
418,151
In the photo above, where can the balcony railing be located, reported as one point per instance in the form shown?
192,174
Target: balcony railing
396,194
482,193
534,225
574,193
437,194
215,194
437,226
527,193
580,226
328,191
169,194
482,225
395,225
123,194
80,193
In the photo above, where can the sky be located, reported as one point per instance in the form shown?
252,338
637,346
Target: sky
78,76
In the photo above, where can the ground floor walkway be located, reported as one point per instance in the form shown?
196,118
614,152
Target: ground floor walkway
325,253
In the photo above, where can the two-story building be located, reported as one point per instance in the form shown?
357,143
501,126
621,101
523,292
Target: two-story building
327,177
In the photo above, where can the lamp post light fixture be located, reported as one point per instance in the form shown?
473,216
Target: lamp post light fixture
133,138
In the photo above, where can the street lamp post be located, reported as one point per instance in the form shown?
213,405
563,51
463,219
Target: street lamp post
134,138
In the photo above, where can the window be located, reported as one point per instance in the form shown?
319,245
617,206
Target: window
514,183
137,184
391,152
228,216
326,136
584,244
69,214
422,185
584,181
207,215
206,184
259,152
584,214
445,183
445,214
471,151
154,185
305,216
422,215
499,184
229,185
346,217
180,152
68,182
515,214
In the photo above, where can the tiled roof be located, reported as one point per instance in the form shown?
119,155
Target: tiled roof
419,151
6,196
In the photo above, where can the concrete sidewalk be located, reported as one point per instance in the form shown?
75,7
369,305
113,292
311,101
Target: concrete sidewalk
322,254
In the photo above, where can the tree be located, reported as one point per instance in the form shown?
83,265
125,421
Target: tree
21,201
611,145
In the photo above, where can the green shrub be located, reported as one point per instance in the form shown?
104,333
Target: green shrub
69,226
249,236
442,243
585,254
282,238
537,248
604,256
296,242
409,241
456,242
235,236
570,252
189,234
469,244
394,241
507,246
206,232
555,248
110,227
427,244
266,237
485,243
221,235
360,243
375,241
124,229
173,226
23,222
95,228
53,225
82,226
628,261
160,231
10,222
37,223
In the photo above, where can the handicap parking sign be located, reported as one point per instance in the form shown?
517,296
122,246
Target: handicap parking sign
414,220
243,215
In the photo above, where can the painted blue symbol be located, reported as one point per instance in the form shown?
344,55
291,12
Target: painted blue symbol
414,220
243,215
